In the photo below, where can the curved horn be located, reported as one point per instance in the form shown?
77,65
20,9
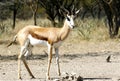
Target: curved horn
65,10
73,9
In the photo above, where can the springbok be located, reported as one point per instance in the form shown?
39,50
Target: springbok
50,36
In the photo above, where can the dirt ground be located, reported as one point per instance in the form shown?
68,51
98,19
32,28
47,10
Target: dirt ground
85,59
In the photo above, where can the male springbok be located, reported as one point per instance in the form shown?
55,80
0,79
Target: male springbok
52,37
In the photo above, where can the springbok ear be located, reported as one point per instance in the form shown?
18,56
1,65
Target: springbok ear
77,11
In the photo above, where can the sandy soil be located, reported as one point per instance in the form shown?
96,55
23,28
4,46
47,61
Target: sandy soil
85,59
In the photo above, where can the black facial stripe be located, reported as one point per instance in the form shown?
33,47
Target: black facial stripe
68,19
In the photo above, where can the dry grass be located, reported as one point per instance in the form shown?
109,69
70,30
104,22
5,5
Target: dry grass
88,29
92,29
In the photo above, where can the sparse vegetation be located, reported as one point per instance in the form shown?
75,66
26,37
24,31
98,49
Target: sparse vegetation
92,29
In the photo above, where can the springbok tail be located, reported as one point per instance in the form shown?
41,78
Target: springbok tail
14,39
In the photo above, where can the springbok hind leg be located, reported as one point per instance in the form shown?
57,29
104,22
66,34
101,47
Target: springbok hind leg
19,61
24,52
28,69
22,57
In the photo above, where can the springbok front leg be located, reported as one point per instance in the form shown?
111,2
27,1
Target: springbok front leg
49,59
57,60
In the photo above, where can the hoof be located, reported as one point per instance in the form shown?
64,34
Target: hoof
32,77
48,78
59,74
20,78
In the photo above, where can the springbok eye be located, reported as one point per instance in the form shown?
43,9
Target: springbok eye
68,19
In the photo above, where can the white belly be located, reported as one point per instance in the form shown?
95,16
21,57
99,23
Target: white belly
34,41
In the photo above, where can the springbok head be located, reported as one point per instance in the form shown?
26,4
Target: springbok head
70,16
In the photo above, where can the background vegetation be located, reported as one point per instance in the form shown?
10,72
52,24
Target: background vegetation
97,20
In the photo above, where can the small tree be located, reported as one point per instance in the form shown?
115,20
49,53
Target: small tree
33,4
50,9
112,11
12,5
